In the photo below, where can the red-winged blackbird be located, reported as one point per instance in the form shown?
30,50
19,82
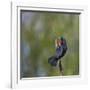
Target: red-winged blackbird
61,48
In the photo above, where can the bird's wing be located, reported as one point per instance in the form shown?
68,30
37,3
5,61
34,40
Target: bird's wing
59,51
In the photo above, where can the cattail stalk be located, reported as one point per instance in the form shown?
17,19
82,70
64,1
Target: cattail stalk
60,68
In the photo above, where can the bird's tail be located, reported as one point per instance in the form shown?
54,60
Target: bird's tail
53,61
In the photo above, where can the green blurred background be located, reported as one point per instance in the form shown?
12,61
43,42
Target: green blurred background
38,33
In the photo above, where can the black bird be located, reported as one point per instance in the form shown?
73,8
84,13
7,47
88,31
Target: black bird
61,48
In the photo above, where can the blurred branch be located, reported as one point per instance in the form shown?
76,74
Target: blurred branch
60,68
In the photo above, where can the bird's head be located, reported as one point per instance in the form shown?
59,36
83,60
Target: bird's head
61,40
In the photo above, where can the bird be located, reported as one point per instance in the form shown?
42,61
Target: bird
61,49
